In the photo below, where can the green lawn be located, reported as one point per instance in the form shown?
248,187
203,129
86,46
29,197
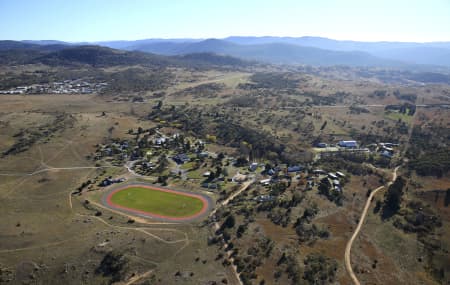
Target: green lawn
396,115
157,202
195,174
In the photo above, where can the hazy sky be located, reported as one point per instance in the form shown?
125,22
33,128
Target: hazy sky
97,20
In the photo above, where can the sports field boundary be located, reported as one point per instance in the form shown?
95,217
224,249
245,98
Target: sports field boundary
206,200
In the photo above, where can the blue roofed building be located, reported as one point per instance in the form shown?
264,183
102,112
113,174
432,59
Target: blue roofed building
348,144
295,168
181,158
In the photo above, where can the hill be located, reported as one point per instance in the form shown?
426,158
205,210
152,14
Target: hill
377,53
98,57
12,52
317,51
433,53
280,53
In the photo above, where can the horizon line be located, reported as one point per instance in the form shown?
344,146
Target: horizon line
232,36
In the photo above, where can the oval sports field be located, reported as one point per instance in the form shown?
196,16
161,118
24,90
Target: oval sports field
158,203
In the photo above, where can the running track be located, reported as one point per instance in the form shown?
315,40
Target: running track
207,203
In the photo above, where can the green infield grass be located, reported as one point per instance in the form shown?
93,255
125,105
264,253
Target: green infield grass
157,202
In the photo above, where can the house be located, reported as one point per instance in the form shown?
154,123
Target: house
386,153
210,186
148,165
253,166
107,151
348,144
264,198
181,158
319,171
321,145
105,182
239,178
207,174
389,144
108,181
265,182
336,182
203,154
160,141
340,174
270,172
295,168
332,176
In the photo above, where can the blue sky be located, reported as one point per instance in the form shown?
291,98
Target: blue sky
99,20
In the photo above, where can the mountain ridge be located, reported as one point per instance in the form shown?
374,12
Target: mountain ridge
307,50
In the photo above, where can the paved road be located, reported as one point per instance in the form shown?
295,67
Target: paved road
348,248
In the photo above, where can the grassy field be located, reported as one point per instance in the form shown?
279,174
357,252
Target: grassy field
157,202
395,116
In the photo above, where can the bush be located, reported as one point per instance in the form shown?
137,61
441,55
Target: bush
319,269
393,198
113,264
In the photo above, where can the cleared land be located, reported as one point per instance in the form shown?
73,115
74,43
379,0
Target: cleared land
158,202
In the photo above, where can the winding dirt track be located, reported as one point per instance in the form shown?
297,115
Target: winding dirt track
217,226
348,248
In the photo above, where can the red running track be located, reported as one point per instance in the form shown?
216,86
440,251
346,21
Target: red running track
206,203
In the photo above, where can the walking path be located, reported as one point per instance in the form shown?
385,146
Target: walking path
225,202
348,248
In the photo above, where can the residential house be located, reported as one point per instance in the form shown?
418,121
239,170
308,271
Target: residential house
181,158
348,144
295,168
340,174
332,176
253,166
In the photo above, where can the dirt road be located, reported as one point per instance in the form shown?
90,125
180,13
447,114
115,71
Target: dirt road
244,186
225,202
348,265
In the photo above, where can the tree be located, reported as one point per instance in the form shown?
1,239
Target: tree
240,230
267,167
218,171
241,161
159,105
230,221
447,197
319,269
187,146
115,265
393,198
324,186
163,180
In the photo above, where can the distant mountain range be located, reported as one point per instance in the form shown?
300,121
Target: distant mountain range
61,54
303,50
293,50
